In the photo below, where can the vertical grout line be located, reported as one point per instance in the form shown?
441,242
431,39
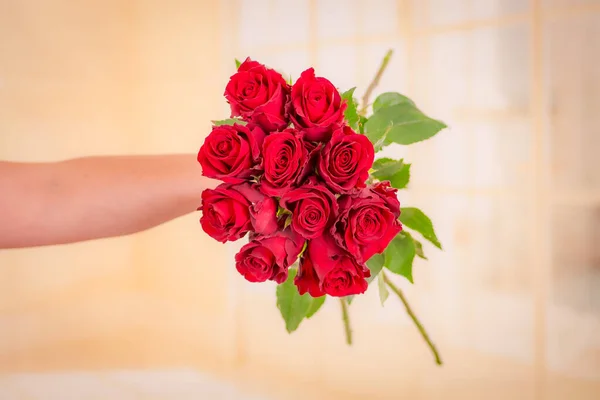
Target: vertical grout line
313,37
406,33
361,52
539,204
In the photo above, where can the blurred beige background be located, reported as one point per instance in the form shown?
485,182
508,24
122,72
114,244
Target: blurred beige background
513,187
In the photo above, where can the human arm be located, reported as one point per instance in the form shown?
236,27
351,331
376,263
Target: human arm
94,197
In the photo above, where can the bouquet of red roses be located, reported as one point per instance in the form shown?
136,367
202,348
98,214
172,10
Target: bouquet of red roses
300,178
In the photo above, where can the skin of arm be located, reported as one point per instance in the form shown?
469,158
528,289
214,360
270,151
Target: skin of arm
95,197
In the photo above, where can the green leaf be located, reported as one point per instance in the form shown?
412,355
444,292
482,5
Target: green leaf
375,264
362,120
383,290
351,113
399,256
229,121
290,81
237,63
417,220
315,305
292,306
390,99
395,171
419,249
400,123
349,299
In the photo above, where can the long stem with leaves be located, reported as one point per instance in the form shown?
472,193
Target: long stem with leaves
346,319
412,315
375,82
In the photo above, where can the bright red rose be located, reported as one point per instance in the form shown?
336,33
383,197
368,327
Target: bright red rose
389,195
345,161
231,153
284,160
368,221
313,208
316,106
225,213
268,258
307,280
326,268
230,211
263,209
259,94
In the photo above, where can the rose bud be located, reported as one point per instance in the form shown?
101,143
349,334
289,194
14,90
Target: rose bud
231,153
345,161
225,213
316,106
268,258
367,221
313,208
259,94
337,272
284,160
230,211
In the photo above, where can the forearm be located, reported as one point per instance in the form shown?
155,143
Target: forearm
96,197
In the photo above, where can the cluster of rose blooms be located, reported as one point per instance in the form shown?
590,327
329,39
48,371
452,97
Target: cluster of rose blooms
294,178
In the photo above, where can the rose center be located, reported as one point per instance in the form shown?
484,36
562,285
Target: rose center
249,89
369,225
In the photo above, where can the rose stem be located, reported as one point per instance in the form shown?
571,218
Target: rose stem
412,315
375,81
346,321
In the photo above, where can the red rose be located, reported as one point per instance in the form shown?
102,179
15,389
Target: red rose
258,94
313,208
225,214
284,160
368,221
229,211
231,153
307,280
345,161
389,195
313,150
263,209
316,106
326,268
268,258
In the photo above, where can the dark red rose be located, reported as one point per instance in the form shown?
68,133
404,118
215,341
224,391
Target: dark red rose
313,208
326,268
231,152
307,280
313,150
268,258
259,94
284,160
316,106
263,209
389,195
368,221
225,213
345,161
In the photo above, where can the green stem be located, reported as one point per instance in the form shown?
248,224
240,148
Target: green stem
375,82
412,315
346,321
